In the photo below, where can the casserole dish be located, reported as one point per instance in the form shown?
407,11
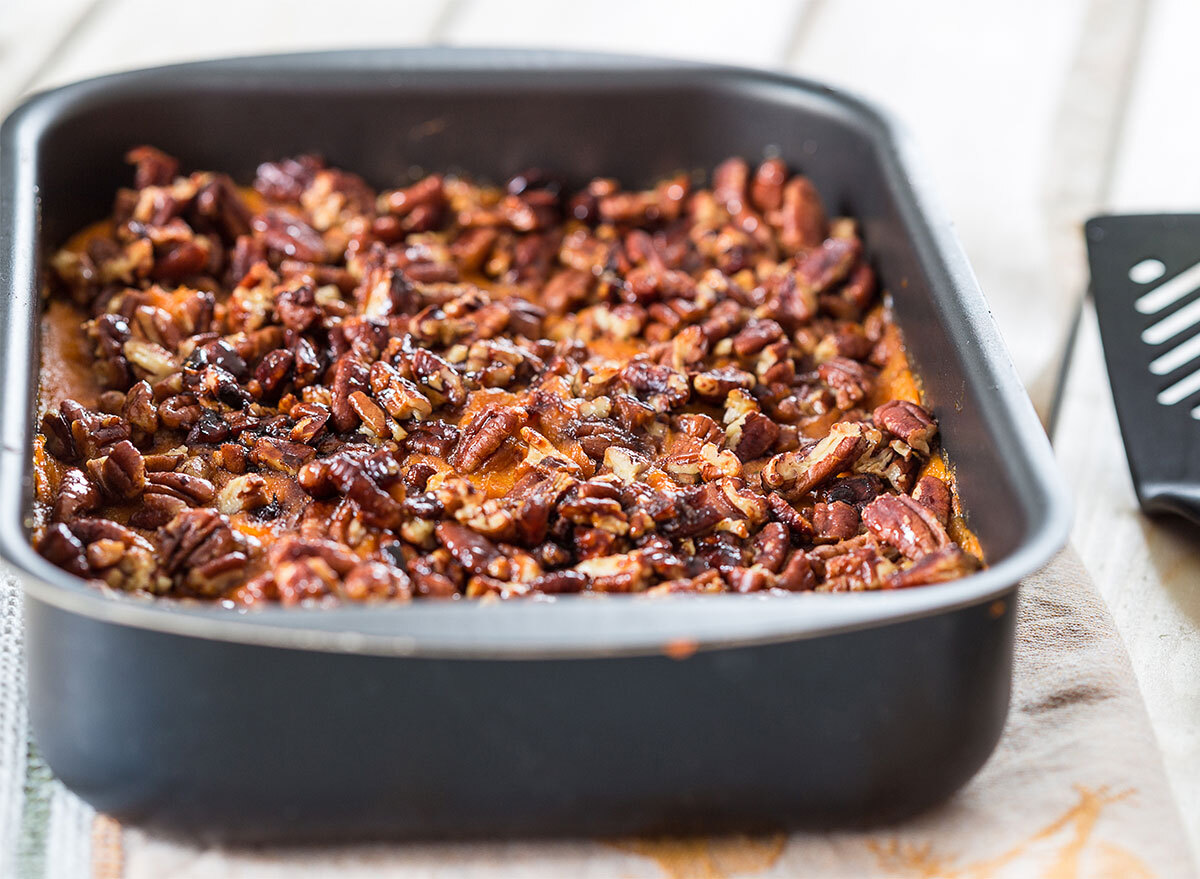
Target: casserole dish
567,716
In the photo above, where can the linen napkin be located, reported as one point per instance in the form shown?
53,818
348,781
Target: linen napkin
1075,790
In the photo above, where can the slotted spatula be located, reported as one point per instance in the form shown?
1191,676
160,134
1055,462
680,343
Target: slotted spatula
1146,284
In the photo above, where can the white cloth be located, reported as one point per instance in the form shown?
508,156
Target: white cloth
1075,790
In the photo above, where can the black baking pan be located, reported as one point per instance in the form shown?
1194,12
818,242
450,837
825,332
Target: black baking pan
574,716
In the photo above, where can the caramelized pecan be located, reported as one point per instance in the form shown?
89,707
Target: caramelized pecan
201,552
484,435
799,472
908,422
934,494
905,524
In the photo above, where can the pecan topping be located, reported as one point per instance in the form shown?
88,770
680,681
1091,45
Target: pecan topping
319,392
801,218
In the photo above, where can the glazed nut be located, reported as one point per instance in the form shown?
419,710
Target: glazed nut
281,455
905,524
799,472
848,379
483,437
947,563
76,495
153,360
368,411
934,494
121,473
139,409
201,552
195,490
908,422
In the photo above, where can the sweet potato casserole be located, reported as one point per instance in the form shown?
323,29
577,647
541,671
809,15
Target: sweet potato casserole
310,391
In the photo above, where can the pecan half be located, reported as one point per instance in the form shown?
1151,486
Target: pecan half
932,492
76,495
938,566
121,473
484,435
799,471
905,524
909,422
201,552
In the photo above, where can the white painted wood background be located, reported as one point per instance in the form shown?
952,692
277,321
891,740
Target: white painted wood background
1031,115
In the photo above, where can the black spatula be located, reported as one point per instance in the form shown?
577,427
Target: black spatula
1146,284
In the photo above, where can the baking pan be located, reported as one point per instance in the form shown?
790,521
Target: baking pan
579,715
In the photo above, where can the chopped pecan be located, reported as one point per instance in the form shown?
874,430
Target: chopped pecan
157,509
905,524
350,374
847,378
139,409
281,455
784,512
288,235
432,438
828,264
473,551
121,473
946,563
76,495
662,387
201,552
772,545
196,490
372,417
908,422
797,574
484,435
858,491
766,190
755,336
799,471
246,492
835,521
64,549
310,420
934,494
376,581
273,370
715,384
753,436
801,219
560,582
153,166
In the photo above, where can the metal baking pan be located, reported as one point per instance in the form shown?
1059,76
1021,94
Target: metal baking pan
543,718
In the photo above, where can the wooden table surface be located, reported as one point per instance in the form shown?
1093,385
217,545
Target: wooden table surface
1031,116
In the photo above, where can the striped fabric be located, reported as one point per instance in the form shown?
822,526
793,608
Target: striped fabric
46,832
